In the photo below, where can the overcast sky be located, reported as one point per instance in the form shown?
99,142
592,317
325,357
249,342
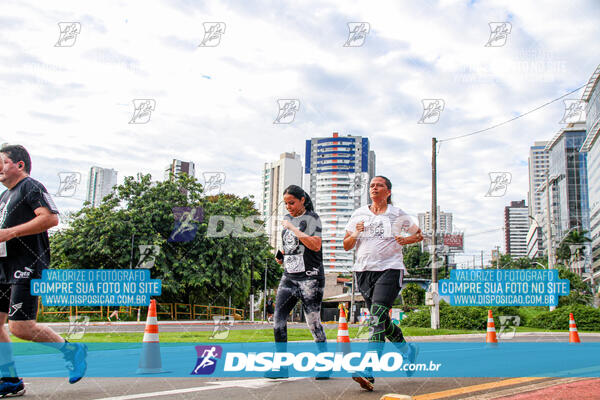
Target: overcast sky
71,104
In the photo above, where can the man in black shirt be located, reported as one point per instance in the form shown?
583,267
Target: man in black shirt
26,213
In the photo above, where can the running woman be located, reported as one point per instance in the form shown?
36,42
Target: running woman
303,277
376,231
26,213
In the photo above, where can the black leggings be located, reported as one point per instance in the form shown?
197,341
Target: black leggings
310,292
380,289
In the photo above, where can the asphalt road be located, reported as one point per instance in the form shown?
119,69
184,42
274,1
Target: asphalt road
302,388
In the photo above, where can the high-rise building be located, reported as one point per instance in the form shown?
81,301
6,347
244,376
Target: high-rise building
277,176
100,184
591,146
539,161
444,221
568,182
177,166
338,171
535,240
516,226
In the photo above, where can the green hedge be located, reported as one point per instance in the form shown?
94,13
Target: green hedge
470,318
586,317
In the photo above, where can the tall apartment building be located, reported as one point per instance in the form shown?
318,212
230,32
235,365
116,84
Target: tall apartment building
444,221
516,226
278,175
591,146
539,162
338,171
177,166
100,183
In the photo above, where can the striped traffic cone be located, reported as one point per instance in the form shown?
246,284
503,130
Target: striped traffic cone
343,336
573,335
150,361
491,329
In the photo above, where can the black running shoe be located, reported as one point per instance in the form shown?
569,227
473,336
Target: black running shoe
76,362
365,382
12,389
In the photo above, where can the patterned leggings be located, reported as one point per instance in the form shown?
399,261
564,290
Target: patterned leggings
310,292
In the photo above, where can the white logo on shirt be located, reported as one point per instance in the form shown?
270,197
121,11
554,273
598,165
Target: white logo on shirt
23,274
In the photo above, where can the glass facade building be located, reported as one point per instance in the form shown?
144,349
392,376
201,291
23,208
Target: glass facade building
568,181
591,146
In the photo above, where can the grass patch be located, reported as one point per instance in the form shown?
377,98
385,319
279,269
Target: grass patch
247,335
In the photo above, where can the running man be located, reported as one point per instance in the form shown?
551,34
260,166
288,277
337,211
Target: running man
303,277
26,213
376,231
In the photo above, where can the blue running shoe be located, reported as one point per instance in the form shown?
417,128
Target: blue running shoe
12,389
412,353
76,362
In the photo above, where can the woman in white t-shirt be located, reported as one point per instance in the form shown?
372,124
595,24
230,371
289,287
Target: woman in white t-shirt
377,232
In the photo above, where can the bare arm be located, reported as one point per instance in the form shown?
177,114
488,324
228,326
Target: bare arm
416,236
351,237
43,220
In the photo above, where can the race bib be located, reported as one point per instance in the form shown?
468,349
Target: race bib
294,263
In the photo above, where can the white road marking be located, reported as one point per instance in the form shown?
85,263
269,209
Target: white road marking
244,383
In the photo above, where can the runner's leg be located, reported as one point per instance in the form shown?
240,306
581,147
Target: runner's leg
22,323
311,295
385,292
285,302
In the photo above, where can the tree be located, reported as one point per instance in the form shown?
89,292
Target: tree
579,291
413,295
418,263
574,237
205,270
506,261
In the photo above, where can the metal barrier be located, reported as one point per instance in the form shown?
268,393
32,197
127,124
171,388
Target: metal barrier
68,313
189,312
201,315
172,311
121,310
169,313
77,311
224,311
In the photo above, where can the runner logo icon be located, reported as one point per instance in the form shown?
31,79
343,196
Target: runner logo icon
207,359
15,308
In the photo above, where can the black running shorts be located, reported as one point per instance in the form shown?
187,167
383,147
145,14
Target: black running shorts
17,302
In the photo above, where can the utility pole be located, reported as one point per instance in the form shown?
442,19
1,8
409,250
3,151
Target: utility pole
265,293
549,227
481,259
435,309
251,292
352,291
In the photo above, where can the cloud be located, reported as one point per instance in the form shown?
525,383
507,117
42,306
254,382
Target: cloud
76,102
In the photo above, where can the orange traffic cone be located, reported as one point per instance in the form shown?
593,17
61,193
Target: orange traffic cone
150,361
573,335
491,329
343,336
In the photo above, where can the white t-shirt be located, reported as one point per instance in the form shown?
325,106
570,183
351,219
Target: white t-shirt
376,249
